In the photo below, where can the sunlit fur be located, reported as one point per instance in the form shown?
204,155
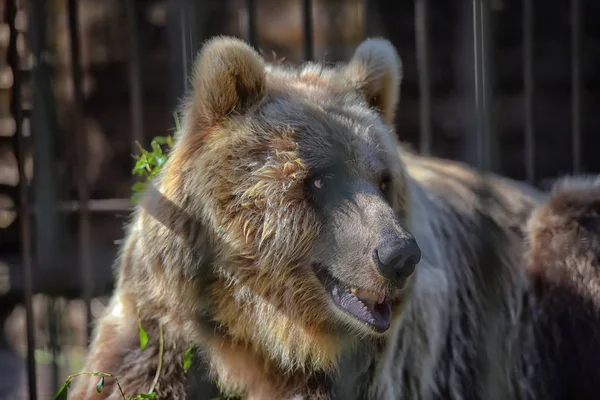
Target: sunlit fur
220,252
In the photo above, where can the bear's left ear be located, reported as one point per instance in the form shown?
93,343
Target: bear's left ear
229,78
375,70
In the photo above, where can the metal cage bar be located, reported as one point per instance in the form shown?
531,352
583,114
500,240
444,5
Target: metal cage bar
366,12
190,16
308,41
482,83
47,229
576,80
24,215
528,89
82,183
186,43
422,49
251,34
135,75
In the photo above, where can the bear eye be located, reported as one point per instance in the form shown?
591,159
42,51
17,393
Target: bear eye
320,182
384,183
323,186
383,186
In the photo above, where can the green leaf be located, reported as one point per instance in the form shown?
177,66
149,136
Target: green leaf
97,373
100,385
146,395
135,198
145,153
160,139
63,391
176,118
156,148
148,160
151,158
188,357
141,166
143,337
138,187
149,164
161,159
154,172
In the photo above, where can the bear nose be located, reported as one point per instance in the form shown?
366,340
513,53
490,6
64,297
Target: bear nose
396,257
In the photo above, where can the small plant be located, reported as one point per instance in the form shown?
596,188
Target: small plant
188,357
149,163
63,392
142,333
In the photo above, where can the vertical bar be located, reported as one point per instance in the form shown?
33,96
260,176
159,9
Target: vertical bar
464,80
485,158
576,82
82,184
332,32
185,26
422,38
482,83
53,323
251,9
25,224
185,46
190,36
44,128
528,83
366,17
135,74
308,30
191,22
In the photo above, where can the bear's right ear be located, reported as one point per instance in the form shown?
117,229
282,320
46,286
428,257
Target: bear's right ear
375,70
229,77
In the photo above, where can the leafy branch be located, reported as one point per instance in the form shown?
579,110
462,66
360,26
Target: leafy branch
149,163
64,389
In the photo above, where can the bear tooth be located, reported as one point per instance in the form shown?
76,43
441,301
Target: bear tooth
380,298
366,295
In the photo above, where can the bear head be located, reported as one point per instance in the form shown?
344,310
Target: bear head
295,176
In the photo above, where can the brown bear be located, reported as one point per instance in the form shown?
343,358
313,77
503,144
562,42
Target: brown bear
564,268
306,254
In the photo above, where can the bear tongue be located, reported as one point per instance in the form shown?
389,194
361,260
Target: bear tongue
369,298
367,306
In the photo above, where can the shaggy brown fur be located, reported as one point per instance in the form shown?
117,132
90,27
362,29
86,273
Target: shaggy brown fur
232,195
227,252
564,266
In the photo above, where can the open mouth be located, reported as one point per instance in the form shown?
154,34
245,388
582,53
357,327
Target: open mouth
367,306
